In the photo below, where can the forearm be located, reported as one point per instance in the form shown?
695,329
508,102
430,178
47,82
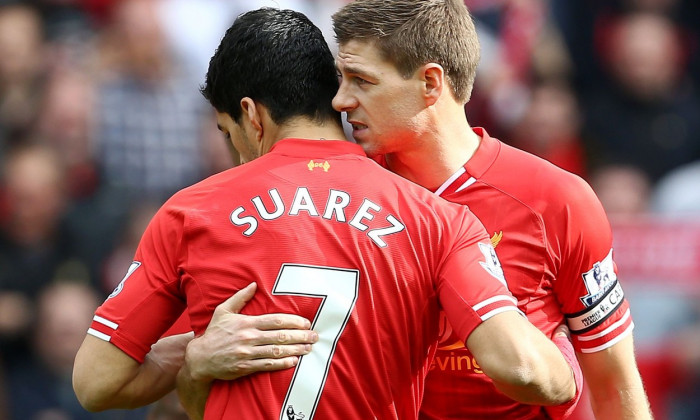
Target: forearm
623,404
522,362
548,379
616,388
106,378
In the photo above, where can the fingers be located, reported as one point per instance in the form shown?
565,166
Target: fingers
268,365
280,321
256,359
280,351
288,337
236,302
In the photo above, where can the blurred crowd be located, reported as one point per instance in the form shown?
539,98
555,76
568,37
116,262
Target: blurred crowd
101,120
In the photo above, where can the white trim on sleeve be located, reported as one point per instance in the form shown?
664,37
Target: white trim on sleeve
101,336
105,322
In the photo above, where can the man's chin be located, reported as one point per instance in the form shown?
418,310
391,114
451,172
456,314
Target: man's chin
370,149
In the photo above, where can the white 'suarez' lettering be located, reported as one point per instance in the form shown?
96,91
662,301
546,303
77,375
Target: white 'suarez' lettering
262,211
251,221
303,201
336,205
363,213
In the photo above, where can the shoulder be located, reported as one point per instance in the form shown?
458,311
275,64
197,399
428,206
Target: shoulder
537,182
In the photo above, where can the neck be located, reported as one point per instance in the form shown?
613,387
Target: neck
439,154
310,130
301,128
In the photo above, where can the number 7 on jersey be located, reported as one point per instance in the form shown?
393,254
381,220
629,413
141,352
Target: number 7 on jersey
338,289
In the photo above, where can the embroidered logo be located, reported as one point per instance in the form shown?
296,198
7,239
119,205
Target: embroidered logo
496,238
313,165
492,264
134,265
599,280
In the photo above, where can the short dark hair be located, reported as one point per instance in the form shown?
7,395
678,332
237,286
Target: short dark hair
411,33
279,58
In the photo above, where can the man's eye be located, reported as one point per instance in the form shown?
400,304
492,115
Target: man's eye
361,81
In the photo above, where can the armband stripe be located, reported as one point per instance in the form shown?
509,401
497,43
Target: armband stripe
617,324
582,322
610,343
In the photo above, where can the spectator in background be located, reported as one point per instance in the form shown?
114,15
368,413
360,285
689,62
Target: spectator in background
624,190
149,118
41,387
583,23
193,28
550,127
65,18
677,194
67,126
21,71
34,240
647,116
508,31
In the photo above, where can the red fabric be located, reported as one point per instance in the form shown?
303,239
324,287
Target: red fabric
550,231
329,238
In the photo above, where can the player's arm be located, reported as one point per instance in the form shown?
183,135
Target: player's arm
616,389
104,377
588,276
236,345
522,362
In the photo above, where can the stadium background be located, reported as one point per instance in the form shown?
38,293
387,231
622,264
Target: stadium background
101,120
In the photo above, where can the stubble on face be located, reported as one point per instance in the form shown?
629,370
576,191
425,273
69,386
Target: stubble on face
381,105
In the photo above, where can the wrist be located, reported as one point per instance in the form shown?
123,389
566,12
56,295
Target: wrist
194,354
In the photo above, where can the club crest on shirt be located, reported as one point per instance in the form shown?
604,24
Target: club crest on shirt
323,165
496,238
492,264
134,265
599,280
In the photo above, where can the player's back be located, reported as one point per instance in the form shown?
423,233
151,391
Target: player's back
329,235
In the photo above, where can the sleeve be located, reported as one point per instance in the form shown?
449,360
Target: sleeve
148,300
471,285
587,286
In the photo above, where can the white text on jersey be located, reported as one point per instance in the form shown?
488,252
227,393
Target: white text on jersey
335,209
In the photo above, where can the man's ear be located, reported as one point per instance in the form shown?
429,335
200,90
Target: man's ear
433,77
252,114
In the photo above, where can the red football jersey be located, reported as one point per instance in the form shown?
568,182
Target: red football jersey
329,235
554,240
